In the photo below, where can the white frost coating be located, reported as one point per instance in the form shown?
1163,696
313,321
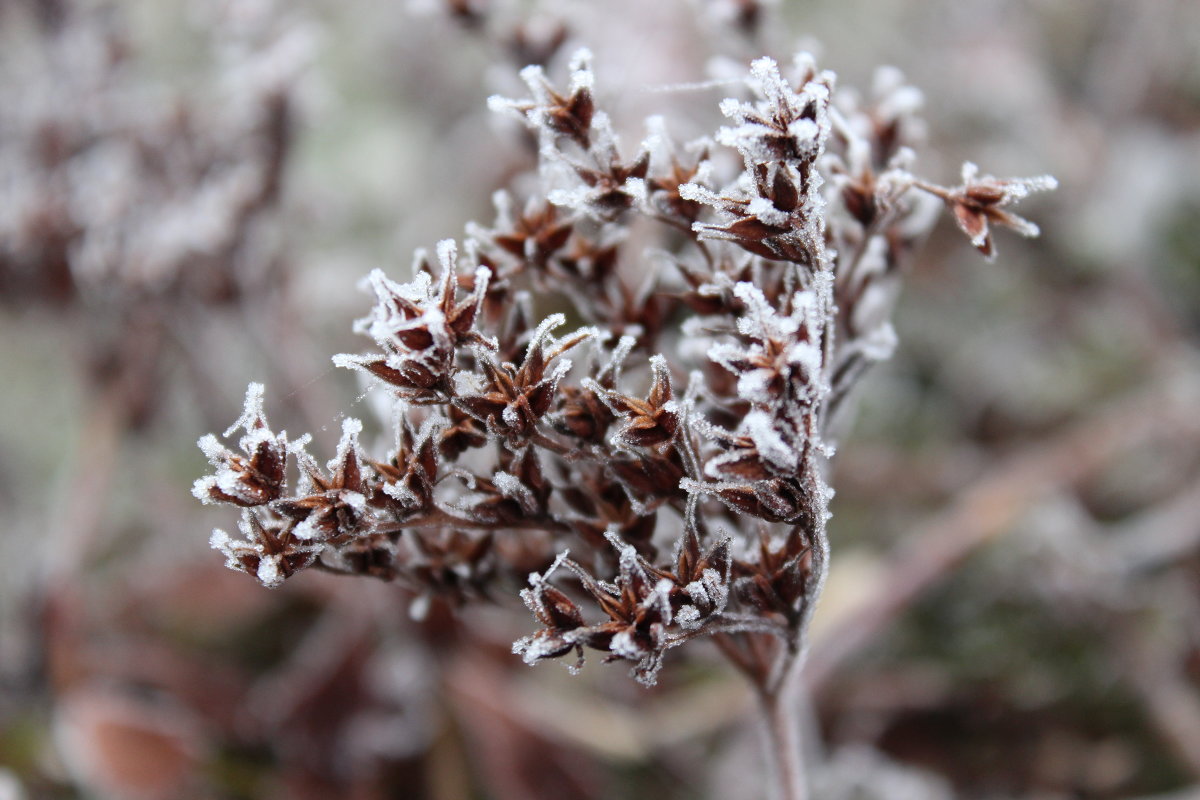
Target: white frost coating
661,598
229,468
753,386
660,368
212,448
351,428
577,198
307,467
498,104
624,646
766,211
269,573
635,188
533,598
604,140
698,194
561,368
306,529
537,580
483,276
229,482
202,487
807,356
533,648
688,617
512,487
447,254
401,494
252,411
697,592
624,347
543,332
581,71
355,500
220,540
804,131
348,360
779,100
627,553
760,427
731,107
761,321
717,588
726,354
873,261
508,484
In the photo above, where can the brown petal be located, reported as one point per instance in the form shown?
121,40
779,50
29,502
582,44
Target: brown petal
973,223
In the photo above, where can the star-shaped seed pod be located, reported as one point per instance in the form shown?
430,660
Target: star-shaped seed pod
649,422
982,201
331,507
421,329
514,399
255,478
268,552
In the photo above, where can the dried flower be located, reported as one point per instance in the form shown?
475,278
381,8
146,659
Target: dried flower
774,295
981,201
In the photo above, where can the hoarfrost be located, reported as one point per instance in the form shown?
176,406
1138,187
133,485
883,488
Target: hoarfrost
688,618
512,487
269,574
348,445
252,411
760,427
582,78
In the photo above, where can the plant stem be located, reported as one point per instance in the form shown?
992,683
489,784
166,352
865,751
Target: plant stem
780,711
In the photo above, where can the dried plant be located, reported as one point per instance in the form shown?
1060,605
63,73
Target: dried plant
639,436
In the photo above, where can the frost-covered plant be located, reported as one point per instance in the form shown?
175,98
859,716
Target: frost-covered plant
660,468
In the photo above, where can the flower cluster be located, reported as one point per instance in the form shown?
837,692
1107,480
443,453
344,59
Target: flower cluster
676,443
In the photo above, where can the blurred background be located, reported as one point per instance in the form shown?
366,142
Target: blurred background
189,195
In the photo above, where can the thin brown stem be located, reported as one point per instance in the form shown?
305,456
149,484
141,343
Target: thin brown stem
780,710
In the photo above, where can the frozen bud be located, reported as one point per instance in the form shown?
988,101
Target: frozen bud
254,478
982,201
